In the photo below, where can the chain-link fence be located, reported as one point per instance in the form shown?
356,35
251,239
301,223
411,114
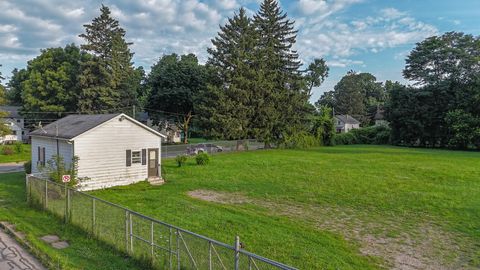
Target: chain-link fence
162,245
211,147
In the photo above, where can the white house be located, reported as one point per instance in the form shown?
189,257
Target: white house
112,149
15,122
345,123
165,127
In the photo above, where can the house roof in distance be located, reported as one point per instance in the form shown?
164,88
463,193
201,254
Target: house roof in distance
72,125
13,111
347,119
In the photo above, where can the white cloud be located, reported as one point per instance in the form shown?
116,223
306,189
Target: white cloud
344,63
333,38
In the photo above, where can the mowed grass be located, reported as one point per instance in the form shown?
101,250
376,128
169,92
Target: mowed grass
344,207
84,252
24,155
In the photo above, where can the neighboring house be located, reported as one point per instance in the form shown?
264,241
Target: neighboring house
380,117
112,149
165,127
345,123
16,124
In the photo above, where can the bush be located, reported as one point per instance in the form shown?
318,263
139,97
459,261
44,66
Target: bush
181,160
301,140
18,147
367,135
7,150
28,167
202,159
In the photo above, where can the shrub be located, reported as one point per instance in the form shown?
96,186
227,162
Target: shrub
7,150
367,135
28,167
301,140
181,160
202,159
56,167
18,147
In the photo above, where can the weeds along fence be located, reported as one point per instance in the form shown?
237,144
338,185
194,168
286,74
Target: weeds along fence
157,243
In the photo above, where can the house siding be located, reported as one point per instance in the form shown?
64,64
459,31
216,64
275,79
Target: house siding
64,149
101,152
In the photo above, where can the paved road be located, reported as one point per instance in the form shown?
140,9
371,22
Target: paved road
11,167
14,257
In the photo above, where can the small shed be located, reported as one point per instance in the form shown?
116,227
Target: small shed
112,149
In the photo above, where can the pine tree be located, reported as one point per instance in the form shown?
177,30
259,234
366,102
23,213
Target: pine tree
232,58
281,101
106,79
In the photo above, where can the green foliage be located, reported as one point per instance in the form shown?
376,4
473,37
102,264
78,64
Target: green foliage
7,150
4,129
174,85
202,158
50,82
181,160
367,135
324,126
443,109
56,167
108,80
300,140
15,87
27,166
18,146
464,129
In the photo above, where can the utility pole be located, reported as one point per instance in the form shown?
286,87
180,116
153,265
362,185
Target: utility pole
134,111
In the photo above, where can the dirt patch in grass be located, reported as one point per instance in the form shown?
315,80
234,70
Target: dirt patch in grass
419,246
218,197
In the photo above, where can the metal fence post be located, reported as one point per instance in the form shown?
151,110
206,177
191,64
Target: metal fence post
46,194
152,251
131,231
210,255
170,248
66,203
178,249
93,216
27,187
237,252
126,231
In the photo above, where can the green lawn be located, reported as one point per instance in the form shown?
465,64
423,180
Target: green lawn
24,155
84,252
345,207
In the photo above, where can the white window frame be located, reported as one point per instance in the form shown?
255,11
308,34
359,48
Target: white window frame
138,159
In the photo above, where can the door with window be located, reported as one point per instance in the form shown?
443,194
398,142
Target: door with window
152,162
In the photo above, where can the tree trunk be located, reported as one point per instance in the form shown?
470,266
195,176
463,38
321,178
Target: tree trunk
186,125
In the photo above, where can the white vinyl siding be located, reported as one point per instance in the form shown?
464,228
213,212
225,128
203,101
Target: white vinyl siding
50,144
101,153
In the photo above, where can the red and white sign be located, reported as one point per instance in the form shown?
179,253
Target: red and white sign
65,178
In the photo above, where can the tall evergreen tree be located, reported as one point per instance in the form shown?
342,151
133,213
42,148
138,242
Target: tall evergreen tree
232,58
281,103
107,79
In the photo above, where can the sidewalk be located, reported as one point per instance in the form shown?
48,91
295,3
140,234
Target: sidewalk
14,257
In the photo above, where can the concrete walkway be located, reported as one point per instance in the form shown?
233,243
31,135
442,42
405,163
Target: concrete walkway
15,257
11,167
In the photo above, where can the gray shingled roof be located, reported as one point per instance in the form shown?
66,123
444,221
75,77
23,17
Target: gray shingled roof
347,119
73,125
13,111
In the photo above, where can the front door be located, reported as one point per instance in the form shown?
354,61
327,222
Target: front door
152,162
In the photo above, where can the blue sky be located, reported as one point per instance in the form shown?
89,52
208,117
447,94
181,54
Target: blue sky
363,35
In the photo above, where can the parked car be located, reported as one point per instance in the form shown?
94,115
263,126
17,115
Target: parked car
203,147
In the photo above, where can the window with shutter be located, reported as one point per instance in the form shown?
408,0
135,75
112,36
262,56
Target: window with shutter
129,158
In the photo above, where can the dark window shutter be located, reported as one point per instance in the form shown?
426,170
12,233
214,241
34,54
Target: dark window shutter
39,156
144,156
43,156
129,158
